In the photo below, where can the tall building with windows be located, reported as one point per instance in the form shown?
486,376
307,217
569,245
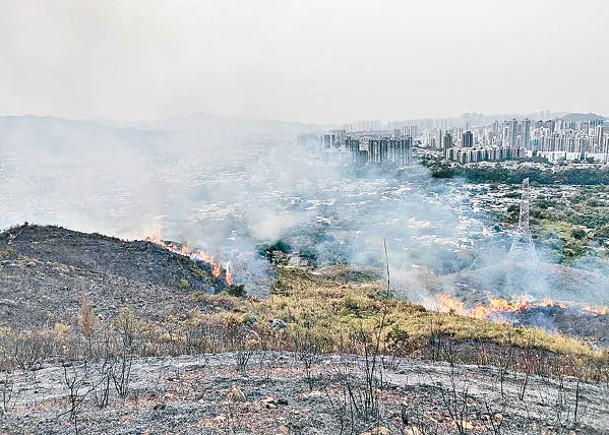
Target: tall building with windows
448,140
513,132
526,134
467,139
379,150
600,137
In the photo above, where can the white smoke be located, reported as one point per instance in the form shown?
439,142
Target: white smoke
230,194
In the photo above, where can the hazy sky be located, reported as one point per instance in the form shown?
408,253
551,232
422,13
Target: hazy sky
309,60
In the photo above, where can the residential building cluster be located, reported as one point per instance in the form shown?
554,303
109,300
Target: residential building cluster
556,140
366,147
375,149
471,138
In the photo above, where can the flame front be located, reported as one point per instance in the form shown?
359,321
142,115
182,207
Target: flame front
446,303
497,306
216,268
601,311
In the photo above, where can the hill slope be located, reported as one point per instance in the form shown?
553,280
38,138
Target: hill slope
46,273
541,280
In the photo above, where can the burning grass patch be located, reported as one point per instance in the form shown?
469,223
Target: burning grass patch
301,297
311,313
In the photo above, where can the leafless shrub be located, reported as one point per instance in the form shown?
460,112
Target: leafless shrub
577,411
242,358
434,343
7,393
455,402
527,360
358,400
415,420
120,373
600,370
494,419
195,338
26,350
107,343
241,341
561,406
504,361
308,348
76,380
563,409
342,410
101,392
365,401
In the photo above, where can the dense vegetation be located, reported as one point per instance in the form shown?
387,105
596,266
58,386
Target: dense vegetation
571,225
500,174
569,208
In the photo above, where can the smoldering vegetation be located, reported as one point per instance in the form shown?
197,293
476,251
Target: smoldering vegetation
239,188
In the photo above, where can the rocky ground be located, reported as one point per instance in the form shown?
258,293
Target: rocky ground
46,272
273,394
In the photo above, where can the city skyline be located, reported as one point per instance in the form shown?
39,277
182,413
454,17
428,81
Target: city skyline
471,138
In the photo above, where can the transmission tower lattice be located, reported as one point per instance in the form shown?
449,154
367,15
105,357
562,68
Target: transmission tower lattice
523,247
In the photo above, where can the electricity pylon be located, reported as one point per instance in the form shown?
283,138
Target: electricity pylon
523,247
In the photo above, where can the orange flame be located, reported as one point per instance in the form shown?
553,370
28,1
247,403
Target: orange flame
601,311
446,303
216,269
497,305
229,275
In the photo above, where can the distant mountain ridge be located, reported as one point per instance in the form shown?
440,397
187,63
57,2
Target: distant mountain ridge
44,131
582,117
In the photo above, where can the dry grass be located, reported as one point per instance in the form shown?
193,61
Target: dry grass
301,296
331,310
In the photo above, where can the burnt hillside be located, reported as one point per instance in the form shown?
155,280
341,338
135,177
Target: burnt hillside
47,271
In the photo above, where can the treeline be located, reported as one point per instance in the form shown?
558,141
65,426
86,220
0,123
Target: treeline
500,174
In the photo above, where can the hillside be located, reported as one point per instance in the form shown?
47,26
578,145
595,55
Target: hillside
206,125
46,272
541,279
164,349
43,134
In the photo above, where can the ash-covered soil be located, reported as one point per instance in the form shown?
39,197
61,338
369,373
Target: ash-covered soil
569,321
46,272
202,395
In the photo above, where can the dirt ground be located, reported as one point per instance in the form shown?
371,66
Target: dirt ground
275,393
